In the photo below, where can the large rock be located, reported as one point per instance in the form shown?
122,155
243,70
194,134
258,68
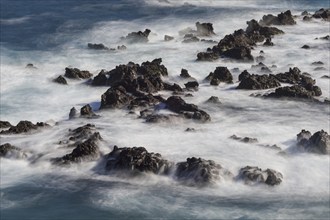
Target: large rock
295,91
23,127
285,18
5,124
115,98
319,142
254,175
75,73
205,29
138,37
85,151
9,151
200,172
322,13
137,159
220,74
254,82
190,111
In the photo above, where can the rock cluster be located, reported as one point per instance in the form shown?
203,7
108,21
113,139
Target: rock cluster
23,127
319,142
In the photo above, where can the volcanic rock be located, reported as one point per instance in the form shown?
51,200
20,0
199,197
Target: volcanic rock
200,172
245,139
221,74
168,38
23,127
205,29
5,124
322,13
61,80
285,18
254,175
74,73
255,82
192,85
137,159
138,37
184,73
97,46
319,142
9,151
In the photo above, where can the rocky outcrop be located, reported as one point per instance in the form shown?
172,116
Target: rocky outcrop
116,97
319,142
190,111
192,85
137,37
322,13
9,151
23,127
74,73
82,133
254,82
254,175
97,46
284,18
200,172
85,151
184,73
204,29
220,74
5,124
60,80
137,159
296,91
87,111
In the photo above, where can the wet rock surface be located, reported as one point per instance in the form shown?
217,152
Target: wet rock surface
284,18
97,46
60,80
137,159
5,124
220,74
24,127
137,37
322,14
244,139
254,82
254,175
318,143
9,151
197,171
75,73
85,151
87,111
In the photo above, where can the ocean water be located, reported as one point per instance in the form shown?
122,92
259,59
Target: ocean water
54,34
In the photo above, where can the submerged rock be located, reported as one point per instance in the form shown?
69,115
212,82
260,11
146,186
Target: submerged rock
9,151
73,113
74,73
192,85
200,172
23,127
319,142
60,80
322,13
137,159
296,91
254,175
168,38
97,46
245,139
214,100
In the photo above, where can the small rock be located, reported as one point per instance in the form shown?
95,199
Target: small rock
254,175
61,80
192,85
306,47
97,46
168,38
184,73
122,47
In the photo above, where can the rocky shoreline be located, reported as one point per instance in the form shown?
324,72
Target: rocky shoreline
135,88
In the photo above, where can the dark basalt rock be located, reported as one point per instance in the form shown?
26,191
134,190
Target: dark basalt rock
200,172
258,32
60,80
239,53
190,39
157,118
307,18
138,37
73,113
245,139
85,151
205,29
214,100
74,73
115,98
97,46
294,76
184,73
268,42
209,41
145,101
82,133
296,91
317,63
30,66
322,13
5,124
190,130
175,87
192,85
9,151
254,175
325,77
319,142
319,68
23,127
221,74
122,47
207,56
305,47
87,111
168,38
190,111
255,82
304,13
285,18
137,159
